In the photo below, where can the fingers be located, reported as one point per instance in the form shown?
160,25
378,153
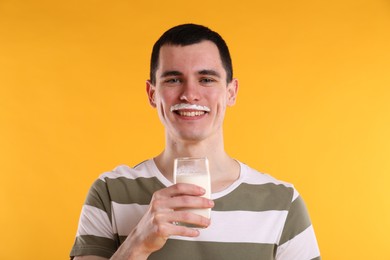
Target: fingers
180,202
168,207
191,219
167,223
180,195
166,229
156,226
181,189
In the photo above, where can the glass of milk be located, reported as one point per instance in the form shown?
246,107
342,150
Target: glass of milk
194,171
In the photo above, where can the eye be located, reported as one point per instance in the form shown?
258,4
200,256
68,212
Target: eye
172,80
207,80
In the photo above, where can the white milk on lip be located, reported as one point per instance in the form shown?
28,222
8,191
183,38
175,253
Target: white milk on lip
199,179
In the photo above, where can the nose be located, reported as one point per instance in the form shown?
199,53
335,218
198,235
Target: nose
190,91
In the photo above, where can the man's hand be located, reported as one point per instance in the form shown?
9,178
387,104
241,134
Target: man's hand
157,224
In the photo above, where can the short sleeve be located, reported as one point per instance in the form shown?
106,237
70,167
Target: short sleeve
298,240
95,235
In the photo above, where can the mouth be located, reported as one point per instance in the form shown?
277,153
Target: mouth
190,113
190,110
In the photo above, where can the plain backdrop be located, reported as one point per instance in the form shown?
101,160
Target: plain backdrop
313,109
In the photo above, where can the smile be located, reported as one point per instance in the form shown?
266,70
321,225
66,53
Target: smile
189,110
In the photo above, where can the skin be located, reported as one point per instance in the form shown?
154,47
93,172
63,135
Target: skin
190,74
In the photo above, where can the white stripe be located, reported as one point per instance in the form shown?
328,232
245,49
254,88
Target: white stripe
254,177
302,247
269,224
147,169
265,227
94,221
123,171
295,195
127,216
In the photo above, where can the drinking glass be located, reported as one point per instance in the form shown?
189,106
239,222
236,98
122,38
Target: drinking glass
194,171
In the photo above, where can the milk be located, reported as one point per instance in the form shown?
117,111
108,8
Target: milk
193,171
199,179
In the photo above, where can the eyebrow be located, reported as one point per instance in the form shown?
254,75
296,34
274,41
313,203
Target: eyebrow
210,72
201,72
171,73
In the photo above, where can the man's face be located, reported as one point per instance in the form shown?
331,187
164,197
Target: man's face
191,93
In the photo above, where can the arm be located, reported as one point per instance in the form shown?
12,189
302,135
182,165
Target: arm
89,257
155,227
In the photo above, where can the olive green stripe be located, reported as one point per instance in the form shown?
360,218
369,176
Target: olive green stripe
123,191
248,197
140,190
260,197
189,250
98,197
86,245
214,250
296,222
177,249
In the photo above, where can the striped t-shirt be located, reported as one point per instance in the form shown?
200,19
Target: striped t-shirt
257,217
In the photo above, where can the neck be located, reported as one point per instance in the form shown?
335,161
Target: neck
223,168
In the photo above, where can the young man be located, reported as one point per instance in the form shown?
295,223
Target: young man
130,213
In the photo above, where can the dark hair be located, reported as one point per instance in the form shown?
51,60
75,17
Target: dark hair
187,34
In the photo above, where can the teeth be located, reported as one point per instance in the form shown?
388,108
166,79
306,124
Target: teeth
192,113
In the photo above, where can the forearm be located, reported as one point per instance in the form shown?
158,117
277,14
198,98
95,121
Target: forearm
131,249
127,251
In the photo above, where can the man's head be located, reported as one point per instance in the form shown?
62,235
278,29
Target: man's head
187,34
190,85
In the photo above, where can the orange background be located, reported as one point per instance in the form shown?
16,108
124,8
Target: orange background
313,109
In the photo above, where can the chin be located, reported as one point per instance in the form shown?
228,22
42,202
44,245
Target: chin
192,137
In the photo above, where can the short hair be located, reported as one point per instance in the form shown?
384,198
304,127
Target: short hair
187,34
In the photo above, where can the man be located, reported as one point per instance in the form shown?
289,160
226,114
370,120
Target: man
130,213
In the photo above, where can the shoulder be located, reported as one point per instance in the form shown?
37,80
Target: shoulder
126,185
121,179
263,181
127,172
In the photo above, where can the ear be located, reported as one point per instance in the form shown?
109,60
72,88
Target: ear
151,91
232,90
